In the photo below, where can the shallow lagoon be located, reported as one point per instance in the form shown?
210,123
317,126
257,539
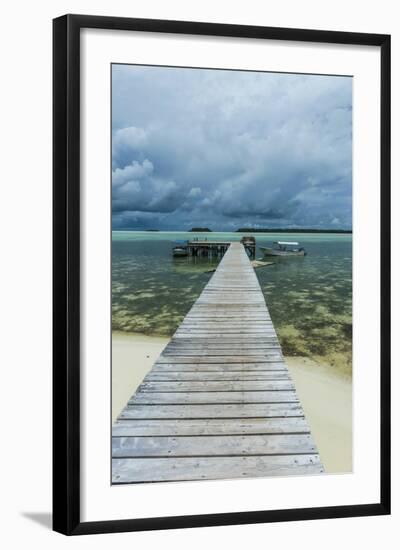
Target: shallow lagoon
309,298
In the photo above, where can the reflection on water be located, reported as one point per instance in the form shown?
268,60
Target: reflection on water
309,298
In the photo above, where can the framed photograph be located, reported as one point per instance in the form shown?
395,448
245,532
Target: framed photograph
221,274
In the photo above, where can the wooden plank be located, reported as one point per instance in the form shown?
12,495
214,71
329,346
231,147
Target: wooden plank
219,335
231,333
239,410
254,340
192,344
256,308
216,397
228,359
227,340
155,376
214,426
215,362
204,314
220,352
220,367
212,349
230,445
136,470
224,322
220,385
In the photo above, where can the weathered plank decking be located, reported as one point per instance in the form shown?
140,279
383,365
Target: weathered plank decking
219,402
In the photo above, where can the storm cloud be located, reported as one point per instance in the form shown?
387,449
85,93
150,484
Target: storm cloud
227,149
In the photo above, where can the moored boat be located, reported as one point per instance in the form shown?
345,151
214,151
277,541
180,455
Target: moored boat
180,249
284,248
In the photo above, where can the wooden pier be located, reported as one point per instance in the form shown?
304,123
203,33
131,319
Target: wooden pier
219,402
208,248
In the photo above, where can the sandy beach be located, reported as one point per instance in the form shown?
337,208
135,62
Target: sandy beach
325,395
133,356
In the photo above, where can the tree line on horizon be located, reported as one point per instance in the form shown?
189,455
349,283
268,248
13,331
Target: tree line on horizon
290,230
268,230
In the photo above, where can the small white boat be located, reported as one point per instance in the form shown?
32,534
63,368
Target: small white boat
284,248
179,251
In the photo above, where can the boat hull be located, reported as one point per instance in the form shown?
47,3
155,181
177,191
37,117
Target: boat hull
179,253
282,253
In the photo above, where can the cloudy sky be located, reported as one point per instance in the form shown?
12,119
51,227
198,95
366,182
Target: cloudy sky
227,149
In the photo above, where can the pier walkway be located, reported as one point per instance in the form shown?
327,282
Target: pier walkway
219,402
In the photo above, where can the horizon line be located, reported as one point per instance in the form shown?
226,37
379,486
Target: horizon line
247,230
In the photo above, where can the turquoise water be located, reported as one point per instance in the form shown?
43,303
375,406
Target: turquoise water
309,298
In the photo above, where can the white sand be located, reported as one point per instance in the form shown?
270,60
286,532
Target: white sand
133,356
325,396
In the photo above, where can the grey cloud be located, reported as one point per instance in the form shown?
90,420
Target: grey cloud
216,147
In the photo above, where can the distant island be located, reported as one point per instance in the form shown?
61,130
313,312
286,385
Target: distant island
200,230
290,230
152,230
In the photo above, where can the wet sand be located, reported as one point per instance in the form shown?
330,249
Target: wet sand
325,395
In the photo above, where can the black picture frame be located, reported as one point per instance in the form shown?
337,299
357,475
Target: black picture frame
66,273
